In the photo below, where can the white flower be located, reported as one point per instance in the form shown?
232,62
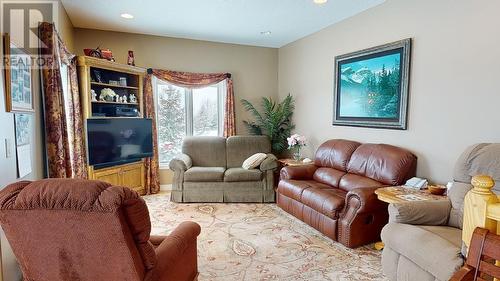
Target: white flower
296,140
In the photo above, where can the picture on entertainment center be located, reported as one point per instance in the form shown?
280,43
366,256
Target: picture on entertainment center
371,87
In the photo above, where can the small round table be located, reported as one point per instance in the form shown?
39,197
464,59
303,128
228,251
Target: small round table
401,194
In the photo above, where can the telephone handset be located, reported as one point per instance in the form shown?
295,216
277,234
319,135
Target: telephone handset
417,183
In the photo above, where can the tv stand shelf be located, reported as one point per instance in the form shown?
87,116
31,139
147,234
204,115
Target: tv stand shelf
95,74
130,175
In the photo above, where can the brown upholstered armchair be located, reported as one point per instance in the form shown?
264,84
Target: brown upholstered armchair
64,229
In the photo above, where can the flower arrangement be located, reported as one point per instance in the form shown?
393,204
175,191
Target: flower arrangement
107,95
296,141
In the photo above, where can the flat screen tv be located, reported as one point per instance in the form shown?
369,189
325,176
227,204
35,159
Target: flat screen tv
116,141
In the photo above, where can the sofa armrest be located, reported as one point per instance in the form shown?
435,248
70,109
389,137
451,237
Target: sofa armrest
177,254
364,199
270,163
363,218
420,212
181,162
304,172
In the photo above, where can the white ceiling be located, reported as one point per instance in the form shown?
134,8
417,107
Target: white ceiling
229,21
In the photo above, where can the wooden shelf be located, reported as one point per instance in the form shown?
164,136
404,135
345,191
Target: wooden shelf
113,86
114,102
129,175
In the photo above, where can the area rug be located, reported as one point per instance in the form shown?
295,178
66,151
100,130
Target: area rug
247,242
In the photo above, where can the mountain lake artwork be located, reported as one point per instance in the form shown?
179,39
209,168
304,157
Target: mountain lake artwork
371,87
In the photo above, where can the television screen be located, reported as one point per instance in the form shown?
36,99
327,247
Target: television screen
118,141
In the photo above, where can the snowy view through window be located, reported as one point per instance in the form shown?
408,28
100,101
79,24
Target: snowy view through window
186,112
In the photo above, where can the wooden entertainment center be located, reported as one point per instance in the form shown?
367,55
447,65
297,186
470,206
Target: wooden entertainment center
126,82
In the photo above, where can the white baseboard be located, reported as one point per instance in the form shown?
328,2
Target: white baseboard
166,187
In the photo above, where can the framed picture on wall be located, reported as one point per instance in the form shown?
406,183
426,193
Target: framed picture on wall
371,87
23,127
17,78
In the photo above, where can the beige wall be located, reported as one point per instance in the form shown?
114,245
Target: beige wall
454,96
254,69
65,28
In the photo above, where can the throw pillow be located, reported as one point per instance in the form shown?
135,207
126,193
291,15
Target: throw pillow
254,161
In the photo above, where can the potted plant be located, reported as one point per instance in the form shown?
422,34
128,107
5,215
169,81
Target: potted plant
275,121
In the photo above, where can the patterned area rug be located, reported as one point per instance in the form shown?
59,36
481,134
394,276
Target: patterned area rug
247,242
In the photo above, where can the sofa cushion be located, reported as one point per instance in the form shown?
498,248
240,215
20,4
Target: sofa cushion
239,148
205,151
424,245
327,201
384,163
204,174
254,161
241,174
352,181
335,154
328,176
429,212
294,188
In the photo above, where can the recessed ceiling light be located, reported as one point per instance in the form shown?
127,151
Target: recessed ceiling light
266,33
320,1
127,16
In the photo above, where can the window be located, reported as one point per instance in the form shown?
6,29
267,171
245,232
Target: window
186,112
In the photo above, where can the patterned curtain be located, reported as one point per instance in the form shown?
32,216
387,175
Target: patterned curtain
200,80
152,164
66,156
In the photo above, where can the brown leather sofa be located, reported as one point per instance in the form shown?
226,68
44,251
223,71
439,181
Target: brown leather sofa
336,194
63,229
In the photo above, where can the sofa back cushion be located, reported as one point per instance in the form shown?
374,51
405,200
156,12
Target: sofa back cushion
328,176
479,159
239,148
383,163
335,154
205,151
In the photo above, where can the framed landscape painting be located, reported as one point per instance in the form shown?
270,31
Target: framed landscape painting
371,87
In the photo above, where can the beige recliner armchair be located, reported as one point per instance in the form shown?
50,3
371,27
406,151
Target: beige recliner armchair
423,240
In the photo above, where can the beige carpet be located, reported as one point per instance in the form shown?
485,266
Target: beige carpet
247,242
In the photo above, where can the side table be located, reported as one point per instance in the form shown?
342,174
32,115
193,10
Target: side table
401,194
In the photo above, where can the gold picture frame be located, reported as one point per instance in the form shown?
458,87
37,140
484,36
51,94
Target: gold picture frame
18,78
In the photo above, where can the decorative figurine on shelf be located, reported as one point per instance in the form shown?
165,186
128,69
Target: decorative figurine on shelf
124,99
118,98
133,98
107,95
94,95
131,60
97,77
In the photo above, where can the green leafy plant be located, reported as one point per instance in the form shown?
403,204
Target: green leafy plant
275,121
